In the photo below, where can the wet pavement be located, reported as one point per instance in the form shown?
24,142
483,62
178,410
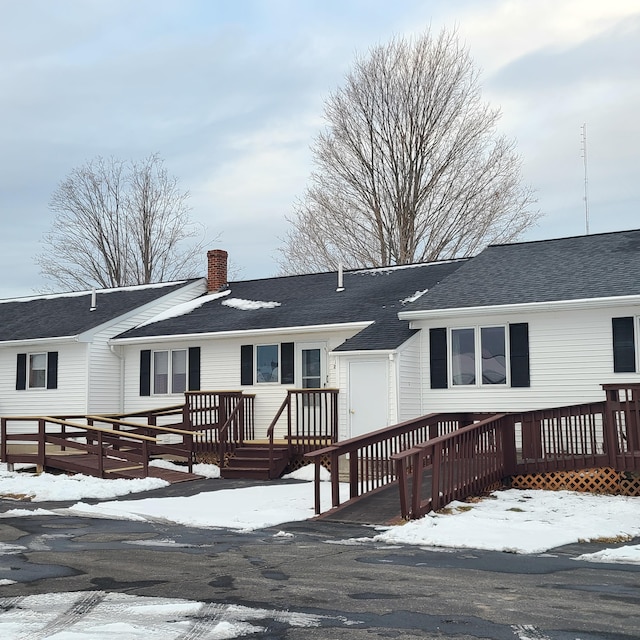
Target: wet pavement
352,586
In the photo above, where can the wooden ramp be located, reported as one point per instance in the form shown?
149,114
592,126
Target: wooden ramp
87,464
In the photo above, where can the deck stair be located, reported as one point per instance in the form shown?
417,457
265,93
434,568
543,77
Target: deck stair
252,462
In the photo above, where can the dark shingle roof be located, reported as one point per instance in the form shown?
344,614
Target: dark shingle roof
594,266
62,315
312,299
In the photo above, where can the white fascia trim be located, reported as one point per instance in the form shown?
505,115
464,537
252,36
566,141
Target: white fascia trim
248,333
530,307
39,341
199,285
365,352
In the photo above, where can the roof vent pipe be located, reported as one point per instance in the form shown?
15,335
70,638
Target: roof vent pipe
340,278
94,300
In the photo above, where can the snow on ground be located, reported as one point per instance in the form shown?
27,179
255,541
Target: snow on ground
204,470
103,616
50,487
522,521
517,521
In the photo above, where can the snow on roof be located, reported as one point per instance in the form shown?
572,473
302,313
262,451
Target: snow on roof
249,305
185,307
75,294
374,271
414,297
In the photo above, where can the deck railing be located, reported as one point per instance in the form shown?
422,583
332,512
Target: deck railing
312,420
370,457
225,419
431,474
623,420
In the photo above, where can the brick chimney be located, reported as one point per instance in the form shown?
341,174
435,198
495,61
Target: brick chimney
216,269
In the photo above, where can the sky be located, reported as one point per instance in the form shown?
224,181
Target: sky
513,521
231,94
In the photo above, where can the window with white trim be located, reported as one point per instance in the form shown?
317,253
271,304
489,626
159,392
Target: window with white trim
268,363
37,371
169,371
478,355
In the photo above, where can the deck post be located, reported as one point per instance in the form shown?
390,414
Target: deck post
316,486
335,479
3,439
508,438
41,445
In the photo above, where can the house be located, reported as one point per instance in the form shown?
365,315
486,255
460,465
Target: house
531,325
269,335
55,356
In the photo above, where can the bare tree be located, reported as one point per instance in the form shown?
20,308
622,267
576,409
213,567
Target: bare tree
410,167
119,223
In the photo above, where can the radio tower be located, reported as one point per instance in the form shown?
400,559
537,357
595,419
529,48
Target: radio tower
586,178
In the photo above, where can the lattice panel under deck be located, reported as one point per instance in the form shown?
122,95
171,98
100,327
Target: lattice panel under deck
603,480
297,462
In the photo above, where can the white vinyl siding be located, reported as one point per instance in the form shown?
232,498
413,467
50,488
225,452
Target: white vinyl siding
570,354
220,370
68,398
409,396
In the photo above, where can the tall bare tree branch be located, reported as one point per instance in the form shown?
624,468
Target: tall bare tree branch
120,223
410,167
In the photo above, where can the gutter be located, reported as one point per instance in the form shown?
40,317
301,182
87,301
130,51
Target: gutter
529,307
315,328
36,341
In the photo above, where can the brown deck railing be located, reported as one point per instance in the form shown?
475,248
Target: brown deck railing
370,464
312,420
457,464
221,417
66,435
563,438
623,419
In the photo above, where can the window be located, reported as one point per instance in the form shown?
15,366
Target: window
311,371
169,366
164,372
37,371
469,356
267,363
478,356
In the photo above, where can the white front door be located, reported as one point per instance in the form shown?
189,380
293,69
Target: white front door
368,396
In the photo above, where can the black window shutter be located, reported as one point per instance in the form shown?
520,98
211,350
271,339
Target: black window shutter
624,348
21,372
438,358
519,354
194,369
52,370
246,364
287,363
145,372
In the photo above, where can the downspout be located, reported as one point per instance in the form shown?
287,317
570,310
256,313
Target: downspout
120,357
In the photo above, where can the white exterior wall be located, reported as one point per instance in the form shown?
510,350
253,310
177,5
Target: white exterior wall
220,371
409,386
69,398
570,353
106,385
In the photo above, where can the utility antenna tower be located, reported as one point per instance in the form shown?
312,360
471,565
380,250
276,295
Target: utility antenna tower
586,177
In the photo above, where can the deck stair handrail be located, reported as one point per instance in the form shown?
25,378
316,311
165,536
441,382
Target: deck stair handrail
231,433
370,465
312,420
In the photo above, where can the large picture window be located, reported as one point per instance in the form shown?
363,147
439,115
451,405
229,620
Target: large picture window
478,355
492,355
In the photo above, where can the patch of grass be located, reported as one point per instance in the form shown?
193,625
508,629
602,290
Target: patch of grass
516,509
608,539
16,496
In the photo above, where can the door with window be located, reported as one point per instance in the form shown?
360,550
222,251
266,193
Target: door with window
311,369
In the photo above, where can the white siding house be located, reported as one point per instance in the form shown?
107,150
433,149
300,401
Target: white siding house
55,357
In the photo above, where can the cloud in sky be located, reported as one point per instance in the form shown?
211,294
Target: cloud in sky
231,96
